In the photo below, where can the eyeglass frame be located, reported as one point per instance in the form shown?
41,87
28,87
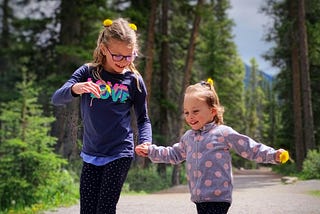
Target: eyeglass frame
127,58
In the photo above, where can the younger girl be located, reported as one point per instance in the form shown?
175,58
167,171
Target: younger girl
108,88
206,149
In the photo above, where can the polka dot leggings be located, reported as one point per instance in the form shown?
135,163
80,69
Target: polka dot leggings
100,186
213,207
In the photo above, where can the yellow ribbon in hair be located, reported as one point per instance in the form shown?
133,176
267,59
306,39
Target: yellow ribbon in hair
133,26
210,81
107,22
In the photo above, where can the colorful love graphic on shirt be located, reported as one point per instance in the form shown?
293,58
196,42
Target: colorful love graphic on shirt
117,92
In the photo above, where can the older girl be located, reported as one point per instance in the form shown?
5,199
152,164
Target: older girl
108,87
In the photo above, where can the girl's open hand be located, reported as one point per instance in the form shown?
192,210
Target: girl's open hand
142,149
86,87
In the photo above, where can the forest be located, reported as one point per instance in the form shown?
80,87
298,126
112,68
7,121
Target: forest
42,42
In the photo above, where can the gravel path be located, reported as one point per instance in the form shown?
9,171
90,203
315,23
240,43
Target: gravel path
255,192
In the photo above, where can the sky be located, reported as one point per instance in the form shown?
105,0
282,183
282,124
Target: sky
249,30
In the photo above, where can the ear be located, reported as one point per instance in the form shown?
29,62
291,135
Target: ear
103,49
214,111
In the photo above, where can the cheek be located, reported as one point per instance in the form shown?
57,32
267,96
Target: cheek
203,118
207,117
187,119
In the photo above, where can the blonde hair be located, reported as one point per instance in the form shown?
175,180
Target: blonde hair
205,91
120,30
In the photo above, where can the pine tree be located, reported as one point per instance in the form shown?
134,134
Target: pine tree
219,60
297,94
254,103
30,172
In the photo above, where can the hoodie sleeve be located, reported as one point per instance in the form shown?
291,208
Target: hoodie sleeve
141,111
248,148
171,154
64,94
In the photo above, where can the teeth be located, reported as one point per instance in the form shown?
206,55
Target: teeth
120,66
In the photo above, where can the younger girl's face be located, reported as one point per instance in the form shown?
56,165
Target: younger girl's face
197,112
118,56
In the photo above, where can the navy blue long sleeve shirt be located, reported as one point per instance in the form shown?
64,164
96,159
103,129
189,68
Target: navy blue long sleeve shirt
107,120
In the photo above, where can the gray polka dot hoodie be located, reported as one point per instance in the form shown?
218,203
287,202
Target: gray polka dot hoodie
208,159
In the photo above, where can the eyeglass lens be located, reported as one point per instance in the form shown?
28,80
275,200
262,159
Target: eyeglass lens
118,58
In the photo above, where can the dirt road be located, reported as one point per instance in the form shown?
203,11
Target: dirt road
255,192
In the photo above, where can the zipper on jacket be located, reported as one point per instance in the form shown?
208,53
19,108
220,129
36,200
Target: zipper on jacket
197,164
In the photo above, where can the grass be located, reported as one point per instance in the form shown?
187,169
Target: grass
315,193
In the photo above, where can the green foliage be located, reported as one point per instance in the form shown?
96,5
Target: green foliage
288,169
217,57
315,193
147,180
311,165
281,33
31,174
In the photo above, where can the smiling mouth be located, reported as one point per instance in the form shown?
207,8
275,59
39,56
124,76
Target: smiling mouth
119,66
193,123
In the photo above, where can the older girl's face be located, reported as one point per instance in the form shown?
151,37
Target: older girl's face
197,112
118,55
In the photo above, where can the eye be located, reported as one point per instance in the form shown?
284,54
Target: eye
186,113
117,57
129,58
195,111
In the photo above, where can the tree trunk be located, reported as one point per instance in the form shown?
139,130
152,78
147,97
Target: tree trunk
149,63
150,47
4,44
67,118
308,127
190,54
5,25
164,81
186,80
4,47
296,94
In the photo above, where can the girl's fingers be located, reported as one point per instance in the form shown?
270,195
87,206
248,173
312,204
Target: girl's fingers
90,87
141,151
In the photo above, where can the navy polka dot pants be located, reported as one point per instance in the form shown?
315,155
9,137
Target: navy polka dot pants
100,186
213,207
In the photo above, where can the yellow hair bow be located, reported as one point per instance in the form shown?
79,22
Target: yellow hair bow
210,81
108,22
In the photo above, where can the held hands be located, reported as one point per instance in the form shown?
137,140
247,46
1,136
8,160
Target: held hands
282,156
86,87
142,149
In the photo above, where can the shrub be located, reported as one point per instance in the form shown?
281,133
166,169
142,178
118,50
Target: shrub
146,180
311,165
288,169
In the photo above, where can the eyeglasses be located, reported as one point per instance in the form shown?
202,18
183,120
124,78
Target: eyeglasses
118,58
